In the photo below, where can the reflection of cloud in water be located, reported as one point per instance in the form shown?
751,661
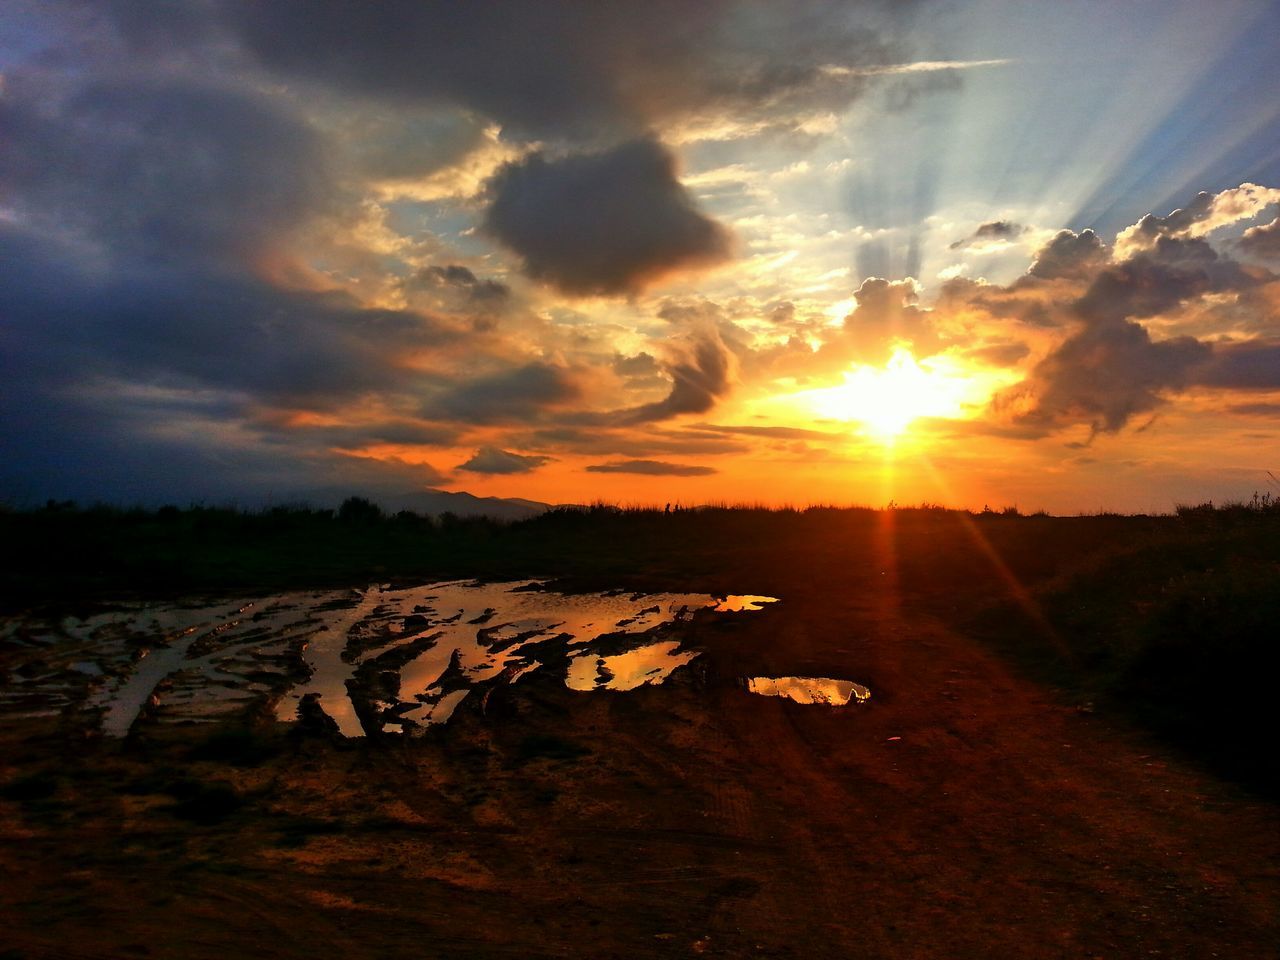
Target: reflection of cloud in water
835,693
651,663
379,659
736,603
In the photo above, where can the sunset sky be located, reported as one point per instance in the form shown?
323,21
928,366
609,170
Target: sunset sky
672,251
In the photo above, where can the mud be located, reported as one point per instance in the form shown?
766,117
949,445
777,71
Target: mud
960,812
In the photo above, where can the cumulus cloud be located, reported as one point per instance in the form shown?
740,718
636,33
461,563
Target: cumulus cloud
602,223
495,461
1103,376
1070,255
653,468
1206,213
1110,368
1262,241
887,314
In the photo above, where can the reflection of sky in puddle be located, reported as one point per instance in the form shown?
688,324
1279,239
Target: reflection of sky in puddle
736,603
493,633
381,659
835,693
651,663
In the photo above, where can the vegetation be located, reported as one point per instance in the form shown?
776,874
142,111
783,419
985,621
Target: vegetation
1166,619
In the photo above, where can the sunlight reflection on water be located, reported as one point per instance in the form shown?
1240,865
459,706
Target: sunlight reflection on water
835,693
380,659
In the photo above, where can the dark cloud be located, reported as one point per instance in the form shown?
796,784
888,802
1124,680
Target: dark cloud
601,223
1103,376
1262,241
1252,365
559,68
991,231
1070,255
1269,411
457,277
171,170
654,468
495,461
1111,370
1141,287
701,370
511,396
169,324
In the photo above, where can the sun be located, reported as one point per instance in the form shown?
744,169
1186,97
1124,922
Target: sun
886,400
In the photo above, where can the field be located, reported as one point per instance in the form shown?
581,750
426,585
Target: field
1065,752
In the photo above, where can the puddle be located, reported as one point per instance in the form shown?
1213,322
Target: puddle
736,603
626,671
377,660
824,690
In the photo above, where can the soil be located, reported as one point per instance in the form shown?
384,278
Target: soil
963,811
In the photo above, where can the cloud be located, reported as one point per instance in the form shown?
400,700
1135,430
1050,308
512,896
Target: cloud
887,314
1206,213
1252,365
510,396
171,169
653,468
557,69
1262,241
455,277
495,461
1103,375
602,223
986,234
701,369
1069,255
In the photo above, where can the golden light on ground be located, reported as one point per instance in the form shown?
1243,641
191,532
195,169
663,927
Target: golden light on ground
886,400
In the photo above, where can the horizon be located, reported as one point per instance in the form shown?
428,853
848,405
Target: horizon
843,252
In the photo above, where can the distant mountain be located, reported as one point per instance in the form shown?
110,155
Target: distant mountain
427,502
435,502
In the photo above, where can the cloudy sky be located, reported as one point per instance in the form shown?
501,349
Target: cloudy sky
728,250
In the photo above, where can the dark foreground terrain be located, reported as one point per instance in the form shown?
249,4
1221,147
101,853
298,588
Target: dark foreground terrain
1067,751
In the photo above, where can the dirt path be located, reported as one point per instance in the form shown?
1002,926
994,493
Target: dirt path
963,812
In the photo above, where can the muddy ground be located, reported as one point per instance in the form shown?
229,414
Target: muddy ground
964,811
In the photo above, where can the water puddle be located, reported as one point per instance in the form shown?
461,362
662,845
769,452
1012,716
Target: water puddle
836,693
735,603
652,663
379,660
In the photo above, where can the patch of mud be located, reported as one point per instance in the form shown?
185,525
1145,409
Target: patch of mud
372,661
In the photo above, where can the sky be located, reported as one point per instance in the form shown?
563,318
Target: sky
685,251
